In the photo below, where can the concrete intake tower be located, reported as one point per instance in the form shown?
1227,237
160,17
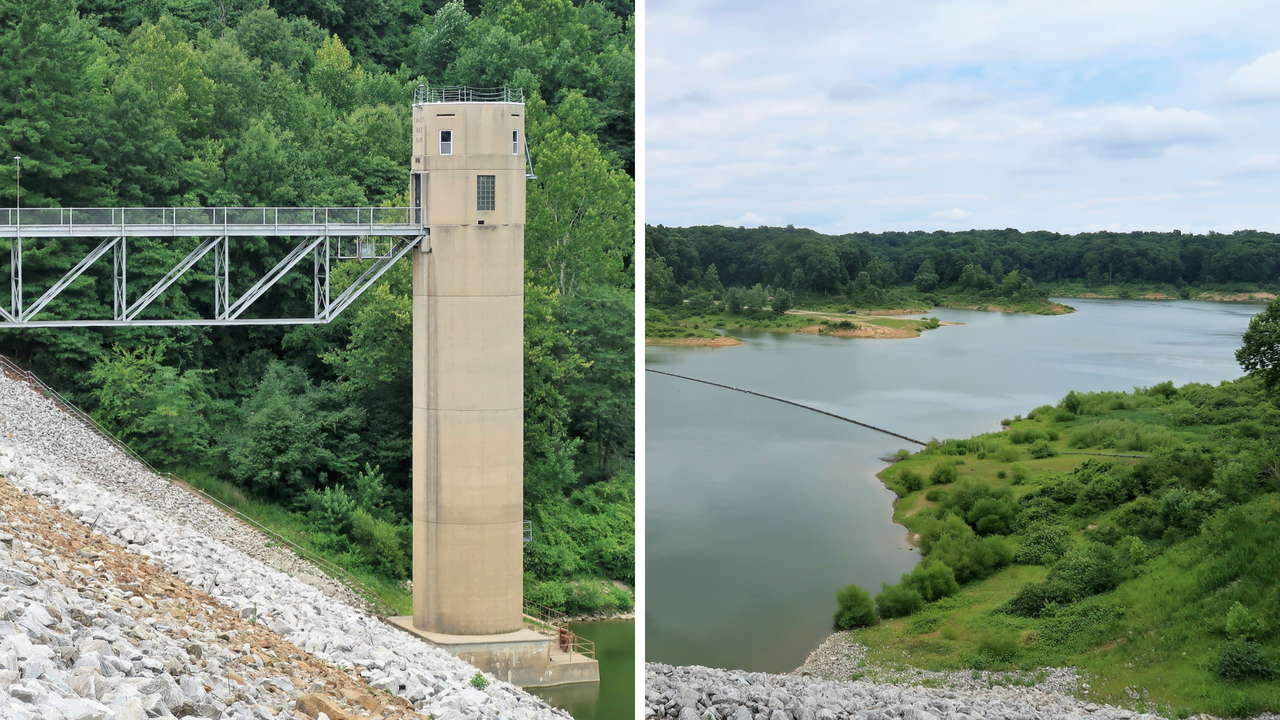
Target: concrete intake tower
468,187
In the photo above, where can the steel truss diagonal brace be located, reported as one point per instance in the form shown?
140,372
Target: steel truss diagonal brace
75,272
15,279
369,277
270,279
191,259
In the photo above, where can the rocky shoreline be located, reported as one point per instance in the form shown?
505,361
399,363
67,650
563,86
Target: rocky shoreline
123,596
839,658
695,693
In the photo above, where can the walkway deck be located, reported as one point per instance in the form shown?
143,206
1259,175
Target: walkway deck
208,222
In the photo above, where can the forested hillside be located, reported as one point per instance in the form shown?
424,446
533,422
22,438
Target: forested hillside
991,265
307,103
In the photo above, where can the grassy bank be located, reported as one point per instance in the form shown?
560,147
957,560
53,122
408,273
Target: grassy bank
585,596
684,327
1135,536
1235,292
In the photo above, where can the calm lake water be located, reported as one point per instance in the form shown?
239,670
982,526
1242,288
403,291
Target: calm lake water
613,698
757,512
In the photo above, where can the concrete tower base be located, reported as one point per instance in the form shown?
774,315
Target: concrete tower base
525,657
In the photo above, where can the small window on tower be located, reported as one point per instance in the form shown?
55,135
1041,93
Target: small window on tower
446,142
485,192
515,142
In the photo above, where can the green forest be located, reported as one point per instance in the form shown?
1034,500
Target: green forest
1007,268
1133,535
307,103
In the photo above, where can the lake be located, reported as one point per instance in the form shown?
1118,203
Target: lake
613,698
757,511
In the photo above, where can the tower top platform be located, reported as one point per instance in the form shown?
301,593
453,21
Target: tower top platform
425,95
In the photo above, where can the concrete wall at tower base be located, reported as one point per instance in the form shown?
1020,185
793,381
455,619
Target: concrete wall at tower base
525,658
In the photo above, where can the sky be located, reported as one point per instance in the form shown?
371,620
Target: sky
874,115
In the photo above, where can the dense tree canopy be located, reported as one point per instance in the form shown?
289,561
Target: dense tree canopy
307,102
802,259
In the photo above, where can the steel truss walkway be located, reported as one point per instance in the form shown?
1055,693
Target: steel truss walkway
383,235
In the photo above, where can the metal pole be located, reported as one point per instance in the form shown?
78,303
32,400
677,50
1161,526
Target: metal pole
15,250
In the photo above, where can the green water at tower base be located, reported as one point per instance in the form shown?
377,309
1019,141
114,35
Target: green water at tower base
613,698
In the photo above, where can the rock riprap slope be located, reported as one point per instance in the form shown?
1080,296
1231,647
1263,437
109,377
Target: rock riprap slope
697,693
112,608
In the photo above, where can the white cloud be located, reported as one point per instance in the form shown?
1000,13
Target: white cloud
752,220
1259,164
952,214
1125,133
847,115
1259,81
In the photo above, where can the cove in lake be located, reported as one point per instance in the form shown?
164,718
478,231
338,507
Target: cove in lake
613,698
757,511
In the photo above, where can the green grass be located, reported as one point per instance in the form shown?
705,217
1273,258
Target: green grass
297,529
1037,306
1150,644
703,325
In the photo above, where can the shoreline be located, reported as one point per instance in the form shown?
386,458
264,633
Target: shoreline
722,341
839,658
1260,296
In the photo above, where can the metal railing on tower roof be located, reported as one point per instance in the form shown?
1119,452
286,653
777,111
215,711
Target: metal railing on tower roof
462,93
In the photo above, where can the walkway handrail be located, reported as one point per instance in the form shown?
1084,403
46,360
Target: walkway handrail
791,402
565,639
368,216
324,565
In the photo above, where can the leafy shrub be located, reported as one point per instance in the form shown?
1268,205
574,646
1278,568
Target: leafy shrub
910,480
160,413
1236,482
330,511
782,301
584,597
1165,389
898,600
855,608
1240,660
1019,474
381,543
1082,572
1185,509
970,557
993,516
478,681
936,495
1001,474
1043,450
943,473
1141,517
1071,403
1063,416
1043,544
902,454
620,599
1133,550
932,580
1032,599
1090,569
1241,624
